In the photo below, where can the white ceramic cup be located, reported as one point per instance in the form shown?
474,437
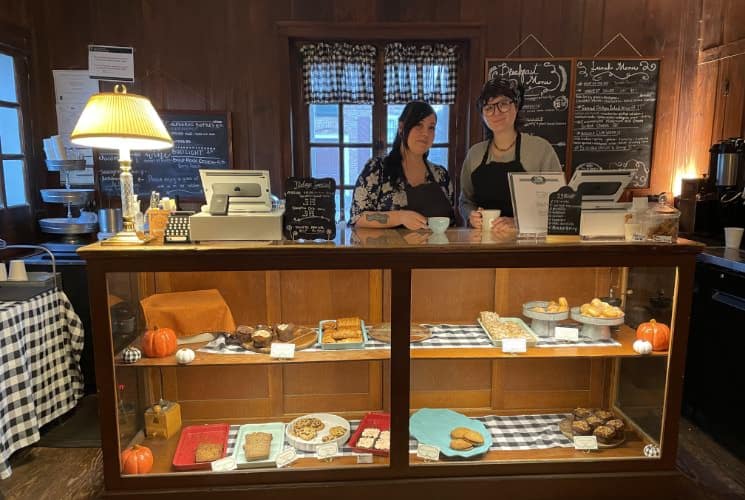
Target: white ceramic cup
487,216
438,225
3,272
17,271
733,237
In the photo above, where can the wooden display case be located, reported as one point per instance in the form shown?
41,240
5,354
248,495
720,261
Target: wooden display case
389,276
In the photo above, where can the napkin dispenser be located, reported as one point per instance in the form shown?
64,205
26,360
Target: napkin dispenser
602,217
163,420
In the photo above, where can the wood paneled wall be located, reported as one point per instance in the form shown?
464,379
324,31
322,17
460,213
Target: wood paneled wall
226,55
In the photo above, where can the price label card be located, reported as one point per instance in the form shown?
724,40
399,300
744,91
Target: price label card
281,350
428,452
585,443
564,333
325,451
365,458
286,457
514,345
224,464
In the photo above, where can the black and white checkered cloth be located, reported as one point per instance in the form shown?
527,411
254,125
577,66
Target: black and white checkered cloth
40,344
443,336
515,432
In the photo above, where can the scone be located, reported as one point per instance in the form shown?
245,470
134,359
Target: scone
365,442
371,432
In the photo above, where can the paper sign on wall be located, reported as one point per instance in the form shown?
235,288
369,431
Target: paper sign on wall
115,64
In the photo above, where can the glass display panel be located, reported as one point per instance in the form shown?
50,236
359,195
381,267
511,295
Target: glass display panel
512,365
354,161
237,393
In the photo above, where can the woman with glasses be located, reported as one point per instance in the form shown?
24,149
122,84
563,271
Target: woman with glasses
404,188
484,179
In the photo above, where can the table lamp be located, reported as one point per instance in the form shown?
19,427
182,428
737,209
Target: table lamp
118,120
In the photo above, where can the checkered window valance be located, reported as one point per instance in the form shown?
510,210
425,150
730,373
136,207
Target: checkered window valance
420,72
338,72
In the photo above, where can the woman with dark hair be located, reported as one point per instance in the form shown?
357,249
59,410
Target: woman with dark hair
484,179
404,188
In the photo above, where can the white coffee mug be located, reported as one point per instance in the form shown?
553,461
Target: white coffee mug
17,271
487,216
3,272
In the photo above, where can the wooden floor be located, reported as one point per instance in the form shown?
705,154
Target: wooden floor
75,473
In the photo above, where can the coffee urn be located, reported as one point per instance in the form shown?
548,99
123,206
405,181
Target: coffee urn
727,164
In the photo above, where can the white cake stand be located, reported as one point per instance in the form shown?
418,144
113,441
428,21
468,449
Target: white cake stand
543,324
595,328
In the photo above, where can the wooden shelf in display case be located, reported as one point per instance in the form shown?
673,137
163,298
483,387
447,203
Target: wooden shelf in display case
625,336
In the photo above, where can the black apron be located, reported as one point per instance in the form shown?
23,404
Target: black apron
428,199
491,186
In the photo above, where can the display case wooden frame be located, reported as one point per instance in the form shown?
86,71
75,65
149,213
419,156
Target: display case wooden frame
399,478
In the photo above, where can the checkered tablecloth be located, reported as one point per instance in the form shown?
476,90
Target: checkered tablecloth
443,336
40,344
515,432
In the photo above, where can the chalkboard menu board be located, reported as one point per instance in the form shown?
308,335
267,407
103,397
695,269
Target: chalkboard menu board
201,140
614,111
548,88
564,211
310,208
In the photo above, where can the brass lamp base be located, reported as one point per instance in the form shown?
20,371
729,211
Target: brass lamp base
126,238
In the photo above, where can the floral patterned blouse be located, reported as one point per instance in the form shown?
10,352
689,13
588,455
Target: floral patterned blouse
373,193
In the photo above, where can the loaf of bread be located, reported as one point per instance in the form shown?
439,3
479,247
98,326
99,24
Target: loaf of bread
257,446
207,452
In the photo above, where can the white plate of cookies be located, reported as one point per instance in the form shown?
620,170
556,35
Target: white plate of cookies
308,432
456,435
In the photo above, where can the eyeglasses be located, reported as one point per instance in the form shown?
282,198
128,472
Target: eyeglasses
502,106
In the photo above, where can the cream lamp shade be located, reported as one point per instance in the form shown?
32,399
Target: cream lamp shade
118,120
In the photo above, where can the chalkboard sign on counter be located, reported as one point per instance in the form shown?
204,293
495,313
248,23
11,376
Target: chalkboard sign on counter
614,112
310,208
201,140
548,89
564,211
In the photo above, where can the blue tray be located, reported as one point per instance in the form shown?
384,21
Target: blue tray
276,429
433,426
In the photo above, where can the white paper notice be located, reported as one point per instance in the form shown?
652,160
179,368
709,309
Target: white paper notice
286,457
365,458
116,64
585,443
281,350
514,345
326,451
72,89
530,200
224,464
564,333
428,452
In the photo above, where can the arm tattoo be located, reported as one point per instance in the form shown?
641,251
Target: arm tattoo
377,217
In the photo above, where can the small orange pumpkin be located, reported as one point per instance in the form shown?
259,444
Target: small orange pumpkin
159,343
137,460
655,333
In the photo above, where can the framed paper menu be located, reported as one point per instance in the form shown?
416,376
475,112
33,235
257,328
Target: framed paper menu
530,192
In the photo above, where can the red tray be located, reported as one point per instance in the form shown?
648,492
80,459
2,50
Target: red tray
380,421
191,437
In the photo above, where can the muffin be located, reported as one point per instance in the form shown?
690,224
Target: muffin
262,337
604,415
617,425
285,331
582,413
604,434
594,422
243,333
581,428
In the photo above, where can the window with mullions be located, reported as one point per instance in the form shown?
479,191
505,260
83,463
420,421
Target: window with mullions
13,171
345,128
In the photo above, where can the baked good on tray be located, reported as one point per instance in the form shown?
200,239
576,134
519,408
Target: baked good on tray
499,329
207,452
581,428
342,331
604,434
463,438
603,424
257,446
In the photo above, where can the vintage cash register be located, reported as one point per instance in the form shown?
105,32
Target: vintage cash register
603,216
239,207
